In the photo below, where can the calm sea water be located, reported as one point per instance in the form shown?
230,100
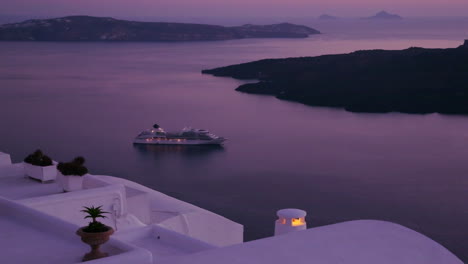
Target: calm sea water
91,99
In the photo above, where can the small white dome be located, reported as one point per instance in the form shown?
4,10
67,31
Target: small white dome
291,213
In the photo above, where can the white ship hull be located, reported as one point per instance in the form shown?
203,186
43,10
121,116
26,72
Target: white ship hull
178,142
187,136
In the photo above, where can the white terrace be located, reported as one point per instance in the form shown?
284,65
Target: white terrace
38,224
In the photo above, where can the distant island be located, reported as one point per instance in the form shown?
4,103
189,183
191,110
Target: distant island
327,17
87,28
414,80
382,15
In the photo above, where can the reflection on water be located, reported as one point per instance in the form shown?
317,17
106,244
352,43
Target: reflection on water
185,150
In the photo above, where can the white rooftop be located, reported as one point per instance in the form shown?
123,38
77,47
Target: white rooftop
38,224
22,243
157,225
29,236
355,242
16,188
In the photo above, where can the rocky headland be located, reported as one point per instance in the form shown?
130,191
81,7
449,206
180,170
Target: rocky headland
415,80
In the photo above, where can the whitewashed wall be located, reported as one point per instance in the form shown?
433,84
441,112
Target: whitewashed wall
68,206
53,226
165,236
186,218
207,227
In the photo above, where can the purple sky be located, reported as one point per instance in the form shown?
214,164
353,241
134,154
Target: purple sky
264,8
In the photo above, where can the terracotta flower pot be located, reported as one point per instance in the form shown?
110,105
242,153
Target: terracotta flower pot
94,240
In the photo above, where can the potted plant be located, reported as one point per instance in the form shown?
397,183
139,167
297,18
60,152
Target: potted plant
71,174
40,167
96,233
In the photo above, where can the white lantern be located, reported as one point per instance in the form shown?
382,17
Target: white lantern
290,220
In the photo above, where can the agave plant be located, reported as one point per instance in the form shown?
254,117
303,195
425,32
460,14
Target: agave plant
94,213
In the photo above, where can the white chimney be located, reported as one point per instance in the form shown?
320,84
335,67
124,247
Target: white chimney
290,220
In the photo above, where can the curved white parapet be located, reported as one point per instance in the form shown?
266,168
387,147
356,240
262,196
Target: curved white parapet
355,242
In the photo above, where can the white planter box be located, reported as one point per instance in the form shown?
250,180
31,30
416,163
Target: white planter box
48,173
71,183
5,159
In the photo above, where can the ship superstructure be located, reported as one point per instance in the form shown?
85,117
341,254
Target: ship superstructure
187,136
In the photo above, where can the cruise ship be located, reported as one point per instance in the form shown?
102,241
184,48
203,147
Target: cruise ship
187,136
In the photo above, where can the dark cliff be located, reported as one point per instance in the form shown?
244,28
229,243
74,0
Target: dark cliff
414,80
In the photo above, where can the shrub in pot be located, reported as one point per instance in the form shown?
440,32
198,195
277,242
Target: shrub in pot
39,166
71,174
96,233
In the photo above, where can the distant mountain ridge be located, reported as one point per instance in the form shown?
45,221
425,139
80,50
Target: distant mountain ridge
383,15
87,28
